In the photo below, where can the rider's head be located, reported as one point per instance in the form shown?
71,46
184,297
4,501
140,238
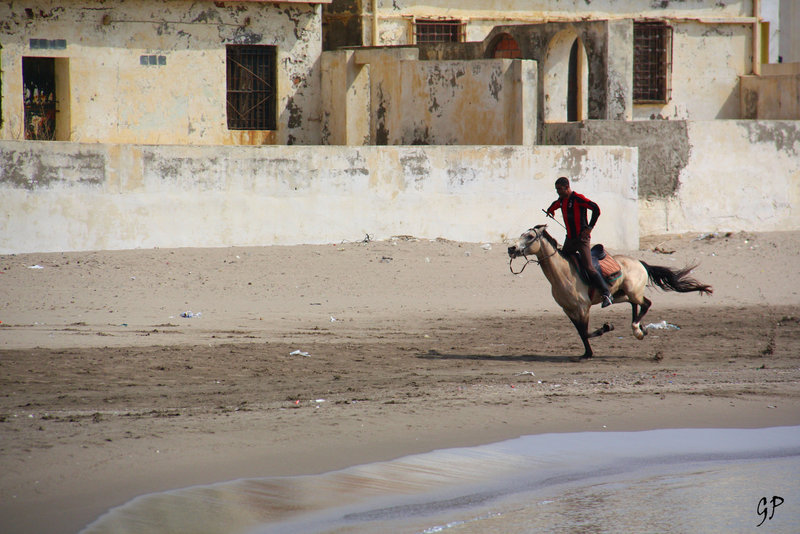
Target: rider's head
562,187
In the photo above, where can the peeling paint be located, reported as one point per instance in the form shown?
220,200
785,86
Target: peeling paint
785,136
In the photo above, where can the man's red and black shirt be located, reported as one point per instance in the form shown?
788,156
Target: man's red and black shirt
573,208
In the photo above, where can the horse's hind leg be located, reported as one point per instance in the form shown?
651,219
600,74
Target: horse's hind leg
637,317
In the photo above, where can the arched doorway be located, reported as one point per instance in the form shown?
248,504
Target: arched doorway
506,47
566,79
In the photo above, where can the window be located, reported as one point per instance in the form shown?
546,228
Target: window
251,87
652,62
439,31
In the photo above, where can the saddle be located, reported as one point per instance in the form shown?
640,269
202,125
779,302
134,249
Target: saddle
604,263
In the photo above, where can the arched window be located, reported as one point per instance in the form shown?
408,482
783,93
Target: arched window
506,47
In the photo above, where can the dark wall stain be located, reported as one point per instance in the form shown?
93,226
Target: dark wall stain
495,85
295,114
785,135
246,37
663,148
417,166
32,169
750,98
381,131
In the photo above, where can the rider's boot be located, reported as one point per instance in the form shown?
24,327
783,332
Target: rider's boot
600,283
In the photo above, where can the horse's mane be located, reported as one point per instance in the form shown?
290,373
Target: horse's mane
551,239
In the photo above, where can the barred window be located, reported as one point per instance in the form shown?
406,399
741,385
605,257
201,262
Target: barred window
652,62
439,31
251,87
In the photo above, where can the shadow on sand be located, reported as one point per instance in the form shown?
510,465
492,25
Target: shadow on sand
542,358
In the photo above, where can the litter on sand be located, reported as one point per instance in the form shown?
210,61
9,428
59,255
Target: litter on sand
190,314
663,325
299,353
37,266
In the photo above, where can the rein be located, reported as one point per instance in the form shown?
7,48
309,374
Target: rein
529,260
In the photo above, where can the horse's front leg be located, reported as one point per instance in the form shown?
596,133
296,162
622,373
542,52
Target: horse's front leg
582,326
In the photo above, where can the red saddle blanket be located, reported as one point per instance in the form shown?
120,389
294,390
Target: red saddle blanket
609,268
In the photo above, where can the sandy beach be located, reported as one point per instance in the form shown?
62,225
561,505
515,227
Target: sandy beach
130,372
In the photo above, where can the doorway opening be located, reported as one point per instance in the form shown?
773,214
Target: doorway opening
39,94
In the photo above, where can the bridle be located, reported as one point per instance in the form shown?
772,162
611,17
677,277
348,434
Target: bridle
530,260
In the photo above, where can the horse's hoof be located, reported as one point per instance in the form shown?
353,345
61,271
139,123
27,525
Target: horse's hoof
608,327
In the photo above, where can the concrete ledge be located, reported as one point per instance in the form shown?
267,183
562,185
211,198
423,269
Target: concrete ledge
68,196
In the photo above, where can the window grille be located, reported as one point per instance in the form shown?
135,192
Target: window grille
439,31
251,87
652,62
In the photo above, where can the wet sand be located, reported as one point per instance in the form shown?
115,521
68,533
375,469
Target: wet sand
308,359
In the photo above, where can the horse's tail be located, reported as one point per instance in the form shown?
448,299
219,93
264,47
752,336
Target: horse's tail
675,279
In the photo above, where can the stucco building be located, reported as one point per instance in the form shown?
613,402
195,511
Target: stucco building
294,121
161,71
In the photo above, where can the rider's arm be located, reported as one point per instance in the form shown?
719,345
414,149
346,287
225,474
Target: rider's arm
553,207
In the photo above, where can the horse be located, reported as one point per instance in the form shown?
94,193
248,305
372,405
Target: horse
576,297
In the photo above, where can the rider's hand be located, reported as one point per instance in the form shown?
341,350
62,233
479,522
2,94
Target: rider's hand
586,232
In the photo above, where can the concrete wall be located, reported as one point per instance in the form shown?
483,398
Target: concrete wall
112,97
387,97
740,175
395,16
663,148
67,196
704,176
773,95
712,47
707,60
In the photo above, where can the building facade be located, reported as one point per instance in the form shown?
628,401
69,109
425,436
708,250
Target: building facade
161,71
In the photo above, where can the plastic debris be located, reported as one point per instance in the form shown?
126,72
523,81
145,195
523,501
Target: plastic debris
486,246
37,266
299,353
191,314
525,373
663,325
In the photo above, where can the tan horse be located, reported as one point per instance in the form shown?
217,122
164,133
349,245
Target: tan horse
573,295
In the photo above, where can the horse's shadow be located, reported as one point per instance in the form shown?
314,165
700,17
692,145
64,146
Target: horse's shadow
538,358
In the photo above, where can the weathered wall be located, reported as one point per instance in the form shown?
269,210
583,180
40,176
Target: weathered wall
605,65
707,60
663,148
740,175
394,16
703,176
773,95
66,196
114,98
712,47
410,102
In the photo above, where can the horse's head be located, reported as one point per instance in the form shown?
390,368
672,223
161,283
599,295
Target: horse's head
528,243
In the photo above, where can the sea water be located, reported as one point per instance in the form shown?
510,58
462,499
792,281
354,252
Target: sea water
661,481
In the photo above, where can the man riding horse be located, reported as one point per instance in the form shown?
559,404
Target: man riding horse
579,231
